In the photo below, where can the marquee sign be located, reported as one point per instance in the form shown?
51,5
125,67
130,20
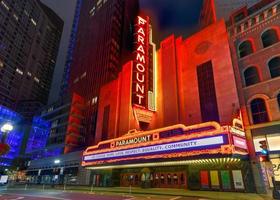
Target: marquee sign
141,62
185,145
175,142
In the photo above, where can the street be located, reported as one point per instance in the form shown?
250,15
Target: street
18,194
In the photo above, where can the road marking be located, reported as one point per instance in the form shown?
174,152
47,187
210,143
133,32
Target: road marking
130,198
175,198
40,196
18,198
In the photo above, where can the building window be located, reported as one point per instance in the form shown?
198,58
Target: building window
253,21
259,112
245,48
105,123
251,76
274,67
261,17
278,100
269,38
207,93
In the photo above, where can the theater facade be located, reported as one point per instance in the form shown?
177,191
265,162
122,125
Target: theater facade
172,118
203,156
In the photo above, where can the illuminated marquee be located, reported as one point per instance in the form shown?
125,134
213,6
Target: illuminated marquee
141,62
175,142
207,142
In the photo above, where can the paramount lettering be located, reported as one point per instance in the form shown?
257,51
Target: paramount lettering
141,62
136,140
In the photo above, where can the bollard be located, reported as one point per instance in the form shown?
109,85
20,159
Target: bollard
64,187
25,188
91,189
43,187
130,189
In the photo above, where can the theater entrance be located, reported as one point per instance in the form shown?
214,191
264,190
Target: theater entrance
154,177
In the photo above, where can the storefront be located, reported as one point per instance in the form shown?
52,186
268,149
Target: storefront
205,156
63,169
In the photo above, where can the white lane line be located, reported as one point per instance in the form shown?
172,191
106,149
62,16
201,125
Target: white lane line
130,198
18,198
39,196
174,198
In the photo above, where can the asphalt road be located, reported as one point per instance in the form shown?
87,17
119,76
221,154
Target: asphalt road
16,194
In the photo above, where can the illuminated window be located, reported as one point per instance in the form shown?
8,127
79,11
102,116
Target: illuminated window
16,17
269,38
92,11
207,93
83,75
76,80
245,49
259,112
33,22
19,71
1,64
36,79
5,5
274,67
251,76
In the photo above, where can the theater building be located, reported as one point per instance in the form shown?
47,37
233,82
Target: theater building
189,133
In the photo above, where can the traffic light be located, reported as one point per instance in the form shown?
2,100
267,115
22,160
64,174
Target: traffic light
263,146
264,151
263,158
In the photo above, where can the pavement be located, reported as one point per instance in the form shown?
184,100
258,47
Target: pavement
31,192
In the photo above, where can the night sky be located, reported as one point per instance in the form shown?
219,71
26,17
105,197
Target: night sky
168,16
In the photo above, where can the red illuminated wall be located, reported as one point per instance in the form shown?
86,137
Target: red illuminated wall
177,96
179,59
117,95
208,13
74,134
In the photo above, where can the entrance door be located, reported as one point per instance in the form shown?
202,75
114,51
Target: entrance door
169,180
130,179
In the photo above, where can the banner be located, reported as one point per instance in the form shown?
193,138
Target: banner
237,179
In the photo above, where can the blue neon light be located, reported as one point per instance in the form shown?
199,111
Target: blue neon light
71,47
38,135
14,138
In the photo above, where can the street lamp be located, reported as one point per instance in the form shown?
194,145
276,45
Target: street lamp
56,161
6,128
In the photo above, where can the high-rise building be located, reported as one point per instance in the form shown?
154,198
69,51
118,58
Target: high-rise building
29,39
255,47
214,10
72,42
104,42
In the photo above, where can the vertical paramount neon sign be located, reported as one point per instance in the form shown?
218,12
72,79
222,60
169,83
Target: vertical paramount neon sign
141,62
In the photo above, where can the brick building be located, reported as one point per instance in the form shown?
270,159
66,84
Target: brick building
255,50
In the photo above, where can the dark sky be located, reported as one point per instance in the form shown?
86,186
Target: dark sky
168,16
172,16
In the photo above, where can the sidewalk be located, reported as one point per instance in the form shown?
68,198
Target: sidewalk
162,191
